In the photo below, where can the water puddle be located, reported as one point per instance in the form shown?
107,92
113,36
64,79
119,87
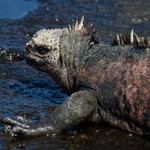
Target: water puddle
16,9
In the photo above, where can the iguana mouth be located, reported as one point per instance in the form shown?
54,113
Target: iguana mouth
32,57
34,61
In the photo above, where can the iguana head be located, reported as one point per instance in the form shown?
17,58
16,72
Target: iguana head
46,53
42,51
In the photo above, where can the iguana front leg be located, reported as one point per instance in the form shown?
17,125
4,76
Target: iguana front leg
74,110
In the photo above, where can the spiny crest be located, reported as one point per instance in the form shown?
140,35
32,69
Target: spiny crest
131,39
85,29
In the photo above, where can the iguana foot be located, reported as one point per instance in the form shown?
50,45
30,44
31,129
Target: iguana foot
20,125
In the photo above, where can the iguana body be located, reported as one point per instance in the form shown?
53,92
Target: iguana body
106,83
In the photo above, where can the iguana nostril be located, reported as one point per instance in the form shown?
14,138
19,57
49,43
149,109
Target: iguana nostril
28,49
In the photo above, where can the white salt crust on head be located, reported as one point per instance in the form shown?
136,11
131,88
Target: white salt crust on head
46,38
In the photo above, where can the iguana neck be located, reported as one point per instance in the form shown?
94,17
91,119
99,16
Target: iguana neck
73,46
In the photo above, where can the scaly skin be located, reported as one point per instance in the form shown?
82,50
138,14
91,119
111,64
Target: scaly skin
106,83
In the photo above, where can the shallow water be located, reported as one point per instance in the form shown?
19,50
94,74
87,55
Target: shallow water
17,8
28,92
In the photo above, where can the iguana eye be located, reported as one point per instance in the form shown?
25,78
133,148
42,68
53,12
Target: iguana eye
42,50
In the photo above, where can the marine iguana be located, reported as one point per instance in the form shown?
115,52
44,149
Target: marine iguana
106,83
